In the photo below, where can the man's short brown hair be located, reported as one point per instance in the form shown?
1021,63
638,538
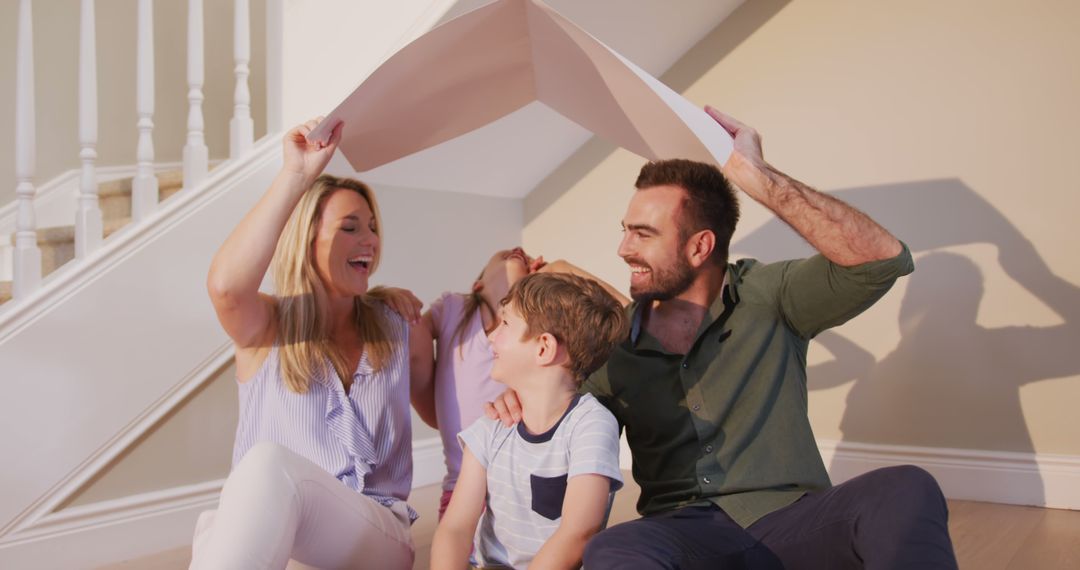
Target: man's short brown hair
582,317
710,202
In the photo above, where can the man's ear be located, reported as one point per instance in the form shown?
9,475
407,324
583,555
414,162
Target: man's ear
547,349
699,247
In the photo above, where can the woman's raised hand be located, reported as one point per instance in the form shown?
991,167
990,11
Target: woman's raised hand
305,158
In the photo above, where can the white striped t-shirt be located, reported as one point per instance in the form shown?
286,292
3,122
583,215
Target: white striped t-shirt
527,476
363,438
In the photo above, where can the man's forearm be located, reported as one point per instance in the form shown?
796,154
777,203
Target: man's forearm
840,232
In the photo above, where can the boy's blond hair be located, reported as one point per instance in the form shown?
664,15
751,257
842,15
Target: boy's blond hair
581,316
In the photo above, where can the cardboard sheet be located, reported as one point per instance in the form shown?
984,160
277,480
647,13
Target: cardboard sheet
488,63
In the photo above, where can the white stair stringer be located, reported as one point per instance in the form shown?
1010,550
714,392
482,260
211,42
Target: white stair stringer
110,344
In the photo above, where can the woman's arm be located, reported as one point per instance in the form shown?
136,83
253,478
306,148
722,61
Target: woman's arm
453,537
422,369
583,512
563,266
240,264
401,301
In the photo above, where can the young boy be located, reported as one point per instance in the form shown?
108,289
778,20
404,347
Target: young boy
540,488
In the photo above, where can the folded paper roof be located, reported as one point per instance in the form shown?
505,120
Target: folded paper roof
500,57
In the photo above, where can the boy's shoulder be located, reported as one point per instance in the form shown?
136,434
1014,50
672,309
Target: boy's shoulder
481,436
589,411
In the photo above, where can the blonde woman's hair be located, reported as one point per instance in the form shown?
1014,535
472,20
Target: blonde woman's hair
306,350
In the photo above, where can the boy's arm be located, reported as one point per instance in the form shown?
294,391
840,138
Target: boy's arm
454,535
582,514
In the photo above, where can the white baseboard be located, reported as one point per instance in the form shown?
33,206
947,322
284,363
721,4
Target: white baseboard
111,531
1038,479
140,525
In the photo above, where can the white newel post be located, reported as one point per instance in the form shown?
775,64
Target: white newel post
196,155
241,127
27,270
88,225
144,188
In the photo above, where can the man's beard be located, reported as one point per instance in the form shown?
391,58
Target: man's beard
666,282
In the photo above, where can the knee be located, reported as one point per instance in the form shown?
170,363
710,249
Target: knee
913,494
268,464
264,455
594,549
915,483
602,547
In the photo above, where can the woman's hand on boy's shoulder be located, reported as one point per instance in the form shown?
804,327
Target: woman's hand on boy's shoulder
505,408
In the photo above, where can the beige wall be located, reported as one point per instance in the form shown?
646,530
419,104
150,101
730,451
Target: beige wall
56,48
954,124
192,444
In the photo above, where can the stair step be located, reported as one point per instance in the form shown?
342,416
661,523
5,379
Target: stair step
57,244
114,197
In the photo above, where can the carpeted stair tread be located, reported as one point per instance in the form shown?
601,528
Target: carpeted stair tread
57,243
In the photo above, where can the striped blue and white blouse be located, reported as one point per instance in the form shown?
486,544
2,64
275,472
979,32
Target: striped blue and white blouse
363,438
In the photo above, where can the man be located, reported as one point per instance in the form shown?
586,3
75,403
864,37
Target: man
711,383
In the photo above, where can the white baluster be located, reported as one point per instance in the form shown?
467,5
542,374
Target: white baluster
27,270
88,226
241,127
144,188
196,155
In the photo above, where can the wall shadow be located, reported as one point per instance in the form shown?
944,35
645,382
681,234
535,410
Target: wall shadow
950,382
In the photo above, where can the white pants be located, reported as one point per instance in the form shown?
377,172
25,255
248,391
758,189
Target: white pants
277,505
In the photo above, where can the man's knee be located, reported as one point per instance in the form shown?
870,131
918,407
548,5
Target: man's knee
915,483
907,494
601,547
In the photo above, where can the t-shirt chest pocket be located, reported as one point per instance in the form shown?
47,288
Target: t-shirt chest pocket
547,495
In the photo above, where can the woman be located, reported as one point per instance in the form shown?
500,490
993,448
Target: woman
322,462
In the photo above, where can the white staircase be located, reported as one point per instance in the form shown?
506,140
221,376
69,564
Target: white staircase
105,326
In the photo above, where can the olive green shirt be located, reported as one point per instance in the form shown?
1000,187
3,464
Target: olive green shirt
727,423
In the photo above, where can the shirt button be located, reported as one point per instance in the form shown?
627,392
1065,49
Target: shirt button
685,365
697,407
706,480
708,449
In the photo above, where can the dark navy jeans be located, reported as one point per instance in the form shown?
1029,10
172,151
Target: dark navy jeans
892,518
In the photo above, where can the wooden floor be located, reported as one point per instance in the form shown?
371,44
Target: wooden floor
986,536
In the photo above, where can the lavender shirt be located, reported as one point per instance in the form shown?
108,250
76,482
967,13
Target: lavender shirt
363,438
462,377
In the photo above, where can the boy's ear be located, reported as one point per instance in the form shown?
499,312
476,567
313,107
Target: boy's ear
547,348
